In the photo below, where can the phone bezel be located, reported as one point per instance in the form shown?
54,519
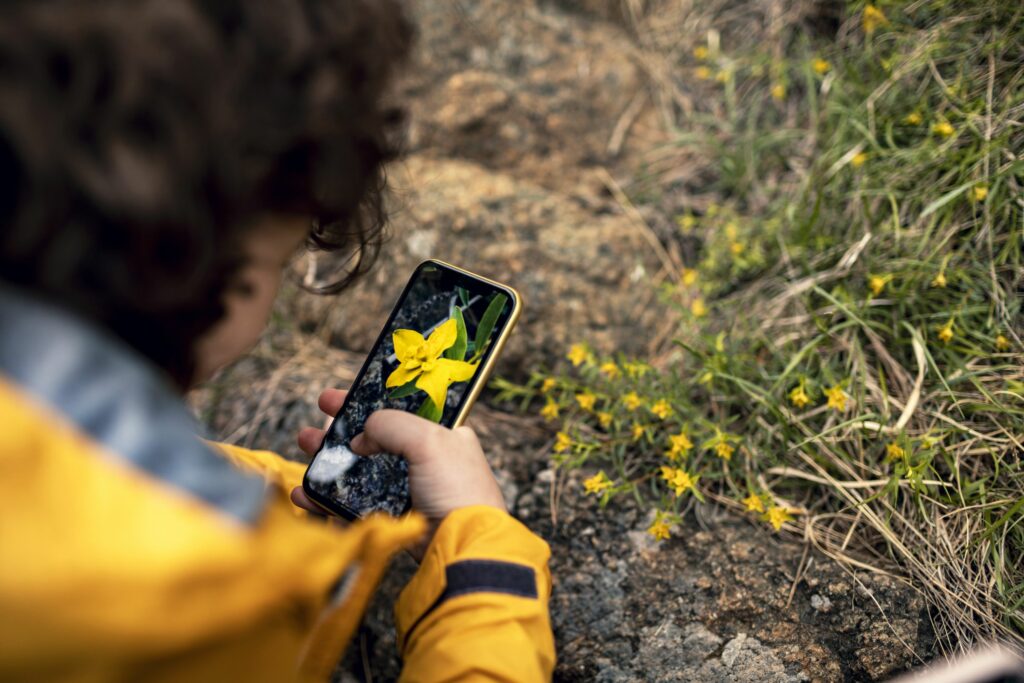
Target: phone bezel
477,383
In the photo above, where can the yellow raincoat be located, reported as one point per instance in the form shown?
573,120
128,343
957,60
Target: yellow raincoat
132,550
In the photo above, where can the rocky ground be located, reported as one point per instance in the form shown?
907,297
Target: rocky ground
524,117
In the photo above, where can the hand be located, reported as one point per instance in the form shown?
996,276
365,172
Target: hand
447,467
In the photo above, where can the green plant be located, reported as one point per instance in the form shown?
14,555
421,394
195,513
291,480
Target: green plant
849,360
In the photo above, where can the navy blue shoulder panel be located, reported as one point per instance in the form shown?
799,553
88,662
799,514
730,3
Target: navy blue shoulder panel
482,576
118,399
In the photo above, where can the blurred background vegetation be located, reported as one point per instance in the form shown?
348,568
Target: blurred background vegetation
844,362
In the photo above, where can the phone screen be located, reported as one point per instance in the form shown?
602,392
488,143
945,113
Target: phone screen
431,354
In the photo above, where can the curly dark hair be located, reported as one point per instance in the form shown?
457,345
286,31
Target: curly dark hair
140,140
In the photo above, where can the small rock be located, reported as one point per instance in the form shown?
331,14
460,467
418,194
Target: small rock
546,476
821,603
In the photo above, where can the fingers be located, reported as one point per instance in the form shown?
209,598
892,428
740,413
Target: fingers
398,432
300,499
330,400
310,439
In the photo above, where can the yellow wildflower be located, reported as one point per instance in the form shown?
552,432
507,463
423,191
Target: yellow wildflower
679,444
563,442
547,385
876,283
1002,343
777,516
698,308
661,409
597,483
678,479
723,76
610,369
939,280
604,419
943,129
798,397
778,92
549,411
689,276
586,400
913,119
736,248
858,159
945,333
894,451
724,450
631,401
872,19
820,66
979,192
659,529
702,73
578,353
836,397
686,222
638,431
700,52
754,503
421,360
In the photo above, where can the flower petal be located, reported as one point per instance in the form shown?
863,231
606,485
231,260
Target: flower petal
403,374
442,337
407,343
457,370
435,382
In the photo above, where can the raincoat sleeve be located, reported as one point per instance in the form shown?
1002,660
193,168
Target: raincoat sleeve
477,608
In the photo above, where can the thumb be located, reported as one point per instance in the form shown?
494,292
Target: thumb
398,432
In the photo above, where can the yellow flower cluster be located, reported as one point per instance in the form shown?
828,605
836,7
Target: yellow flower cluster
579,354
678,479
586,400
659,528
894,451
943,129
836,398
798,396
876,283
563,442
679,445
661,409
873,19
597,483
945,333
754,503
777,516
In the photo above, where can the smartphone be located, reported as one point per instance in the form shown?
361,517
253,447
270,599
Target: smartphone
432,358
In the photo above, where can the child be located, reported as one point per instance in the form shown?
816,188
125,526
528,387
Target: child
162,160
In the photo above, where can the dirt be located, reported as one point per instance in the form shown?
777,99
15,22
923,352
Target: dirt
513,109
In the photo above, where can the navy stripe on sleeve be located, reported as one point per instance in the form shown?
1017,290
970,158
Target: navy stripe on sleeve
483,576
